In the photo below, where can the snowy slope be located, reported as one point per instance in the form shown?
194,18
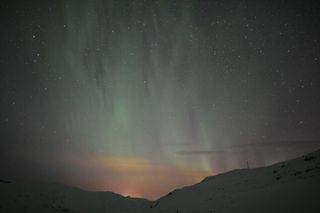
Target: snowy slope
45,198
291,186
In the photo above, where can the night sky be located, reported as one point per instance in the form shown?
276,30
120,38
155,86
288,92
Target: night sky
141,97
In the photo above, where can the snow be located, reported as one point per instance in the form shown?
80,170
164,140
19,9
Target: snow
291,186
35,197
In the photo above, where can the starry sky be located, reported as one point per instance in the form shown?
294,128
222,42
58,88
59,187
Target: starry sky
142,97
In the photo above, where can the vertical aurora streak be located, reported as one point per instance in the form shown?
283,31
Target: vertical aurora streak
129,81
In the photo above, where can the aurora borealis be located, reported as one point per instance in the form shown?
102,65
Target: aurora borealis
141,97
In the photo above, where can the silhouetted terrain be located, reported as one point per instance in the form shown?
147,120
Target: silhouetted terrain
290,186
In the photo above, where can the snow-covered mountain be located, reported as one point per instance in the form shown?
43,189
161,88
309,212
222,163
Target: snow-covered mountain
290,186
47,198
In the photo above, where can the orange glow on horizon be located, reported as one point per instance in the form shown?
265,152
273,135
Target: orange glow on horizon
132,177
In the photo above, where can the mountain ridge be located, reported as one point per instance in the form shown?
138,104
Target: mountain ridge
289,186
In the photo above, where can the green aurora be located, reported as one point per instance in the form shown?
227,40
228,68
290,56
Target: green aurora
129,77
141,97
